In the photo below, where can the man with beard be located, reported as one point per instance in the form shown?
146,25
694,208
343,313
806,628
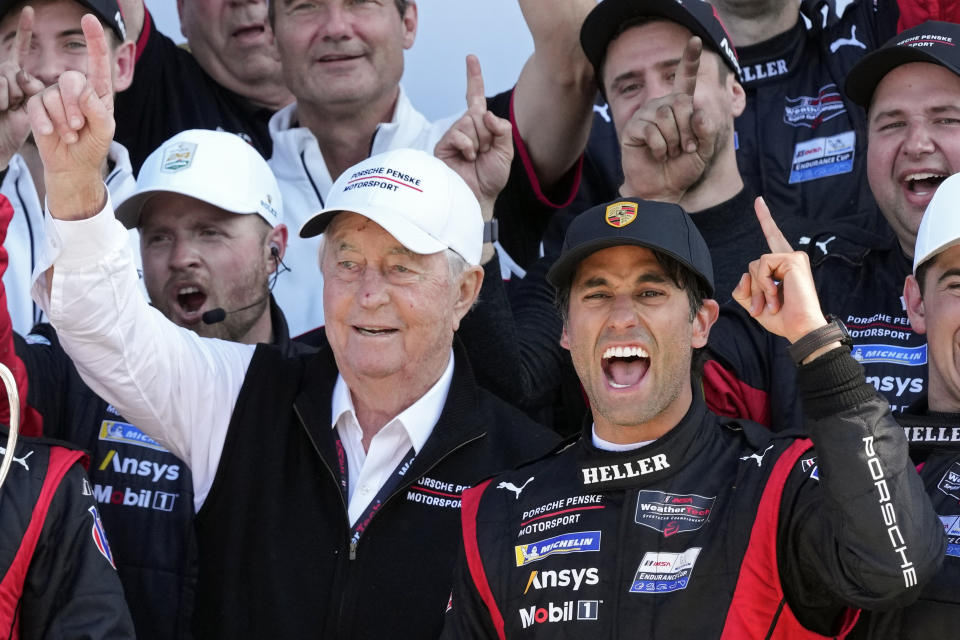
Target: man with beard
210,217
670,75
662,508
800,139
674,108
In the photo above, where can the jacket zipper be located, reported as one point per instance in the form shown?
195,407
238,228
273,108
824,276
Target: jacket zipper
353,545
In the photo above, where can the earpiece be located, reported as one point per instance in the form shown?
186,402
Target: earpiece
274,249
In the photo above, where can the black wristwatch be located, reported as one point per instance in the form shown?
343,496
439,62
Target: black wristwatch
833,331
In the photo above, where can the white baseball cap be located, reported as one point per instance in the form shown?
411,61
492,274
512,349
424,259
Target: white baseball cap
415,197
216,167
940,227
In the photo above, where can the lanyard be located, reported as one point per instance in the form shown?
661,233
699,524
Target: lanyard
392,482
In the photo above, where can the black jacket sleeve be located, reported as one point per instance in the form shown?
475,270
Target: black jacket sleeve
49,372
857,528
72,590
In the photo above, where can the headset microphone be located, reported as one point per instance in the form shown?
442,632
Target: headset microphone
219,314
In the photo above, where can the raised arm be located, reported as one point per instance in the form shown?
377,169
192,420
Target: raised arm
176,386
553,99
861,531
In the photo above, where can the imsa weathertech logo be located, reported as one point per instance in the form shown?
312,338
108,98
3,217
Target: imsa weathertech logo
620,214
563,612
579,542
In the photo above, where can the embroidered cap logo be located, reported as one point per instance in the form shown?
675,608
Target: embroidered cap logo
620,214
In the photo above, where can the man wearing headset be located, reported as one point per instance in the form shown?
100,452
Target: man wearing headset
210,219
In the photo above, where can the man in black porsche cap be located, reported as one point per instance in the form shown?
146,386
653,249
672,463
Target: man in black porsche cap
671,77
667,519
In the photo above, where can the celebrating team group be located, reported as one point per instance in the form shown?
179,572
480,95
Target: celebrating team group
662,342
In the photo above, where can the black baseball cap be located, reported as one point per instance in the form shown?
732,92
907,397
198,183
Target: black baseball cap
606,19
108,11
933,41
659,226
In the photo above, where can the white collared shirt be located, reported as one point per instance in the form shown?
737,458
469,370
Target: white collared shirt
369,470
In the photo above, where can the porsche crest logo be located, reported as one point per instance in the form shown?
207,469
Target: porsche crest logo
620,214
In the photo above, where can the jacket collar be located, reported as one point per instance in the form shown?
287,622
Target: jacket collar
291,142
603,470
926,430
460,422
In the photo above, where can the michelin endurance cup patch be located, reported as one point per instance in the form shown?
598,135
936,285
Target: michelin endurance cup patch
664,572
671,513
823,157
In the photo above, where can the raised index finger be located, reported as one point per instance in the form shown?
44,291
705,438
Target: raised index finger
99,73
775,238
21,41
475,95
685,79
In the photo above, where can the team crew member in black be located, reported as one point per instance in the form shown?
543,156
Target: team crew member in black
201,261
638,521
800,140
229,79
932,424
910,89
373,439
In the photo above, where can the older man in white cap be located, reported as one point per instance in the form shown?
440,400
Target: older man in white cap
328,485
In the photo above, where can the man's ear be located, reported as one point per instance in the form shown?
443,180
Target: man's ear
124,60
738,100
409,24
276,237
468,290
914,302
702,321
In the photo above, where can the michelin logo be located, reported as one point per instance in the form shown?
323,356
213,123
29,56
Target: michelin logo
889,354
579,542
113,431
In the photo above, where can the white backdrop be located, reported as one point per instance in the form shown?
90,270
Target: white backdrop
435,75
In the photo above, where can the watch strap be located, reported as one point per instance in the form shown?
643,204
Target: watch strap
833,331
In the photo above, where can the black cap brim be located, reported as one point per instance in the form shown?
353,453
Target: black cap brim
562,272
659,226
